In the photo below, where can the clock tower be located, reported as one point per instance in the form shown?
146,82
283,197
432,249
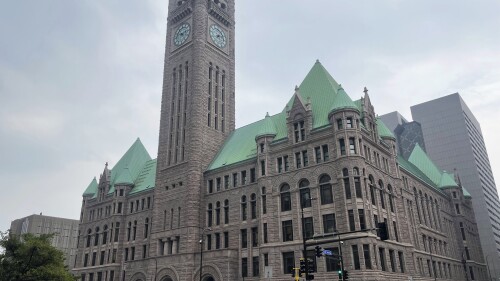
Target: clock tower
197,115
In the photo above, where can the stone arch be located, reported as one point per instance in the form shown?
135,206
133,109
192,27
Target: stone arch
209,270
167,274
138,276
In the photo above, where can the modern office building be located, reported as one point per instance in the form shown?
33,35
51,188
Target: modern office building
454,140
65,232
407,133
220,203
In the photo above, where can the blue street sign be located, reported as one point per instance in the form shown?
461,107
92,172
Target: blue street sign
327,252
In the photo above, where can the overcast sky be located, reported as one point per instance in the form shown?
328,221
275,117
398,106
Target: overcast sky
81,80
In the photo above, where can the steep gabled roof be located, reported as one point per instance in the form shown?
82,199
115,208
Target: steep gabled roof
425,164
92,188
146,179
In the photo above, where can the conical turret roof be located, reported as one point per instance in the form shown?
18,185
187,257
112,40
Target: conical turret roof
267,127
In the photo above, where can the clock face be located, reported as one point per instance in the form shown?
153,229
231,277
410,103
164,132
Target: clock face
218,36
182,34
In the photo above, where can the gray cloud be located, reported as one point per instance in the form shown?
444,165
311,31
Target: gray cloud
80,80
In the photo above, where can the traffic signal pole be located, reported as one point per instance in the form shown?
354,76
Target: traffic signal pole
304,246
341,257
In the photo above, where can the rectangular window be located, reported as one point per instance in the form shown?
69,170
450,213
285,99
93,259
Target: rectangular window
244,238
307,223
244,267
210,186
362,221
265,232
255,266
352,146
395,226
217,240
357,187
126,254
348,123
226,182
340,124
355,257
287,165
288,262
252,175
392,257
262,168
366,255
101,260
305,159
209,243
347,188
402,262
326,156
280,164
243,177
218,183
298,160
329,223
381,252
86,260
235,180
266,259
342,147
352,225
226,239
317,153
120,208
287,229
144,251
299,131
255,236
132,253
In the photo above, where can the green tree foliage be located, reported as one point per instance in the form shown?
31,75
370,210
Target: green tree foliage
31,258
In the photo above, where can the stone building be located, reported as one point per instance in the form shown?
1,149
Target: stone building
65,233
235,196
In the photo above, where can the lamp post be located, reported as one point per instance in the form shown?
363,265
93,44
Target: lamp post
201,249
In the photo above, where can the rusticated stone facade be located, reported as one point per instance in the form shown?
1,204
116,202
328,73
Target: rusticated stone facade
246,215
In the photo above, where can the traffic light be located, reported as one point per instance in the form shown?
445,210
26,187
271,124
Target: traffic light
293,272
319,251
346,275
382,229
340,274
302,265
310,266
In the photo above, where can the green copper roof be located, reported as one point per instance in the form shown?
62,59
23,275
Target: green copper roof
447,181
383,131
130,165
425,164
146,179
267,127
342,101
319,88
92,188
412,169
466,193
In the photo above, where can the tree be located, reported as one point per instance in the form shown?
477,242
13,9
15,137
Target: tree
31,258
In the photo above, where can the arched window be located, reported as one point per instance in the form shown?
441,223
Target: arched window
217,213
325,187
286,201
253,205
355,171
391,197
347,183
382,198
96,239
243,207
264,200
89,237
105,235
226,211
209,215
305,194
146,227
135,230
371,183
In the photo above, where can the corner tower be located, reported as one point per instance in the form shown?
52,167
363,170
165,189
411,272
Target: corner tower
197,114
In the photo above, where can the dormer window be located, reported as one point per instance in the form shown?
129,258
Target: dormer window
299,131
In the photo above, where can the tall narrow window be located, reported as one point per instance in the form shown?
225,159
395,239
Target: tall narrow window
209,215
342,147
362,222
299,131
347,184
265,232
326,155
217,213
264,201
352,225
244,267
255,237
226,211
243,207
325,190
287,229
253,205
305,194
244,238
382,200
329,223
146,228
366,253
391,203
352,146
308,226
286,204
355,257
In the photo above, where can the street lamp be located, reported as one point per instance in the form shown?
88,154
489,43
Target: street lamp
201,249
